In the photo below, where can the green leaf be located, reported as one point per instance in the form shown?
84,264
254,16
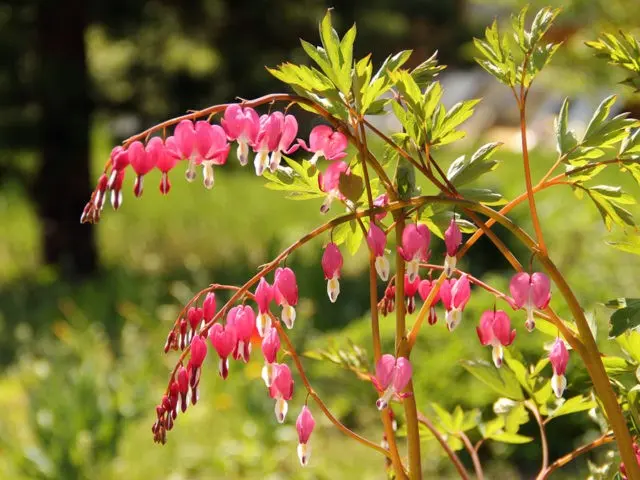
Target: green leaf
630,146
444,131
584,173
330,40
600,114
461,171
502,380
608,206
406,180
516,417
632,245
425,73
350,234
566,139
483,195
617,365
351,186
301,182
514,438
614,192
630,344
575,404
622,50
626,318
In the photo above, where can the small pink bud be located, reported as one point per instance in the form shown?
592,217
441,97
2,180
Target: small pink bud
331,265
305,424
198,352
559,357
194,315
270,345
209,306
377,240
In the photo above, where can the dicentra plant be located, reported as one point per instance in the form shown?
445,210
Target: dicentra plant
382,199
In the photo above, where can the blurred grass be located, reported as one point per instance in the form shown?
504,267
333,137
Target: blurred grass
88,366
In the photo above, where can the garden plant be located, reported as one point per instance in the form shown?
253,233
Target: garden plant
375,203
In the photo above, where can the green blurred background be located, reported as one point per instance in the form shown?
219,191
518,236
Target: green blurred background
84,310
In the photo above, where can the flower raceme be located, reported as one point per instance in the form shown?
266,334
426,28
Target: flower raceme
495,330
391,378
530,292
331,265
285,289
559,357
415,247
325,142
452,240
305,424
454,295
377,240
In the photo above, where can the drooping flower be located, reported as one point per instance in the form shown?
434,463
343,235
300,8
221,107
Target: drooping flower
559,357
530,292
424,289
209,307
119,161
285,289
455,295
182,377
389,300
165,159
243,319
267,140
305,424
289,132
331,265
224,340
263,296
329,182
325,142
377,240
452,240
194,367
101,193
415,247
495,330
410,290
392,376
241,125
281,389
194,316
141,163
270,347
116,189
184,145
212,149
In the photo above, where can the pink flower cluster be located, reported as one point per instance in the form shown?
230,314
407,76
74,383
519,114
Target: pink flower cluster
233,339
202,144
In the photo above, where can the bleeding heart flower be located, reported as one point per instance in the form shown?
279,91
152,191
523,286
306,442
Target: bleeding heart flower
415,247
377,240
285,290
392,376
281,389
325,142
455,294
263,295
530,292
241,125
224,340
304,425
410,290
559,357
329,182
495,330
331,265
270,347
452,240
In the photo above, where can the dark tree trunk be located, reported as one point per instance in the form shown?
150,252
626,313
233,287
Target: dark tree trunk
62,185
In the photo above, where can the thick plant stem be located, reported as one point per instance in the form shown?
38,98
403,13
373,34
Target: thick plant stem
598,374
527,177
410,409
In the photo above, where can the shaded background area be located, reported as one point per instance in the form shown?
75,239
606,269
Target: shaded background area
84,310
